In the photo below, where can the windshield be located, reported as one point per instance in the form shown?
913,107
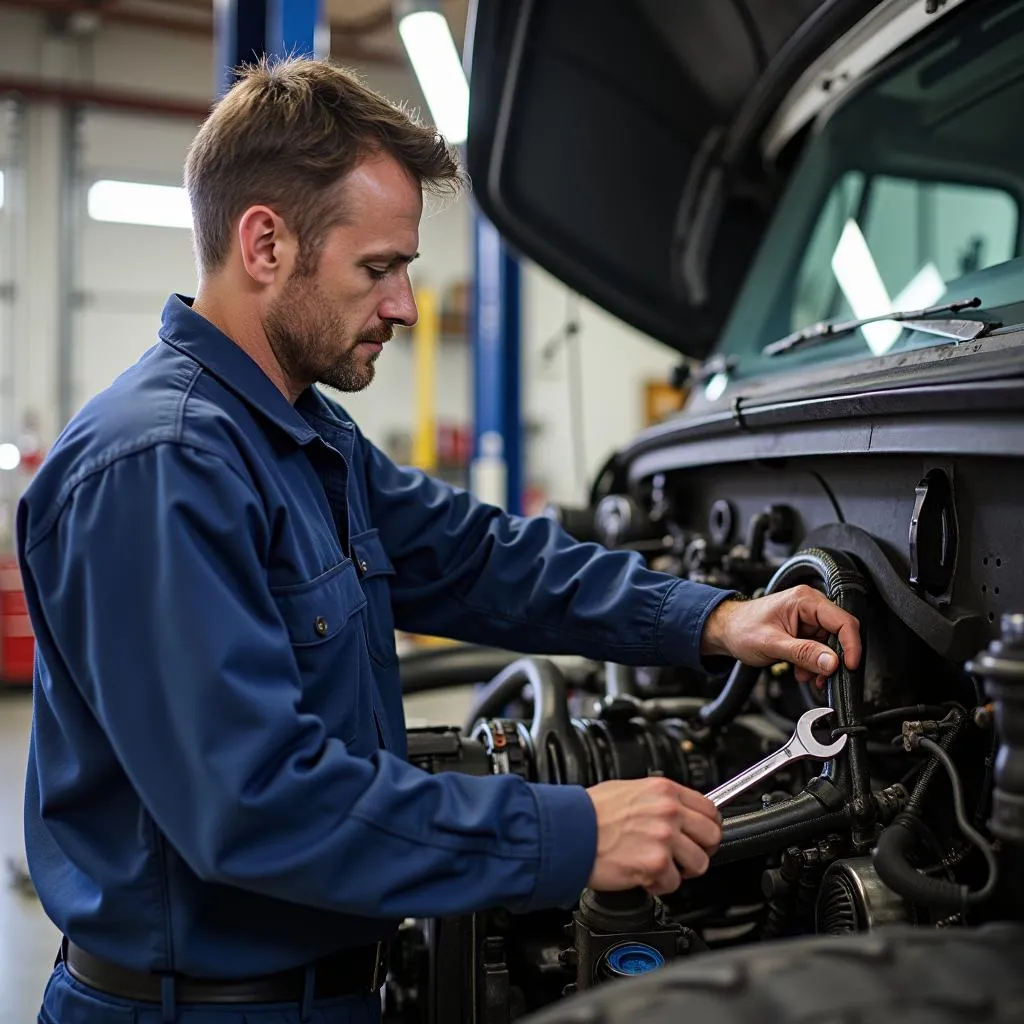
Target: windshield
907,196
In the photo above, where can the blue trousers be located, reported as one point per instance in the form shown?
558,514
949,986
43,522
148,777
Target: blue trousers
67,1001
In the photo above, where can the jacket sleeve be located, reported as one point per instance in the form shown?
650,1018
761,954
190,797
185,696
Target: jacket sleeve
150,592
469,571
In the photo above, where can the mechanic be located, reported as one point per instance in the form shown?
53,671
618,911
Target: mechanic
220,819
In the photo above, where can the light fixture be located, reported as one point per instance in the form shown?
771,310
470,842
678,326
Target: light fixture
427,38
137,202
10,456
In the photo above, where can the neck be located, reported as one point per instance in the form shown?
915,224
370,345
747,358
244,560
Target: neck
240,321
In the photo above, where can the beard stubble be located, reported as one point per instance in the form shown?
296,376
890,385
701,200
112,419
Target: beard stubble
313,342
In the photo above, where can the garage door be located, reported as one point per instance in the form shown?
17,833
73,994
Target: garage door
125,271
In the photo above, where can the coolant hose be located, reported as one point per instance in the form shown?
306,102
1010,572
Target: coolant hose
557,749
844,585
892,862
841,795
815,812
892,853
445,667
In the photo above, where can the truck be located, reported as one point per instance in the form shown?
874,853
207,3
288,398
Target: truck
817,205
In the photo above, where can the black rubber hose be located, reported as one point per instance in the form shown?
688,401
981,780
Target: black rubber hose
557,749
923,784
892,854
423,671
844,585
892,862
823,806
818,810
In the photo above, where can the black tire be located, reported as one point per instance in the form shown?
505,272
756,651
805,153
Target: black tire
900,974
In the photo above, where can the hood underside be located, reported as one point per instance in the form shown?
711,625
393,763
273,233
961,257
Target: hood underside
614,142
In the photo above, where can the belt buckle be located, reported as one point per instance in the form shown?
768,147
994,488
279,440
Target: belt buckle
378,962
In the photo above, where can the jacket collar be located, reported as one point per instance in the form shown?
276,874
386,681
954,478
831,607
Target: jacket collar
192,334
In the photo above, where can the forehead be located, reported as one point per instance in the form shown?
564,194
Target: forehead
379,194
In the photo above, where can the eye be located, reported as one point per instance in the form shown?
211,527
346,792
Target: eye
375,274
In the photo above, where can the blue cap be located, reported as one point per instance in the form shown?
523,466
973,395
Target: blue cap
633,958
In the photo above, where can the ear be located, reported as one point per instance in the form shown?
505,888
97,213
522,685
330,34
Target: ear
267,247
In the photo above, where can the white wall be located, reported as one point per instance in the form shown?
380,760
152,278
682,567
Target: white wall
124,273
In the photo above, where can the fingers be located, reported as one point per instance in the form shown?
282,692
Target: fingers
694,801
817,610
810,678
693,860
813,658
667,881
700,829
662,873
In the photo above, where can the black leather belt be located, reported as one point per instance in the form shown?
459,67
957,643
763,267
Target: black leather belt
361,969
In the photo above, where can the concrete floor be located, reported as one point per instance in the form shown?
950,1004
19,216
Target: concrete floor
28,941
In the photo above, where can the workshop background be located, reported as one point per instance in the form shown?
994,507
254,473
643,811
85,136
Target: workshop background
99,100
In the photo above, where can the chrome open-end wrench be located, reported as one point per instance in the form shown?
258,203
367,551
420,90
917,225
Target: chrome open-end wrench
801,745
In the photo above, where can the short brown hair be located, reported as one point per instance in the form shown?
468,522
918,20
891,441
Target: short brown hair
284,135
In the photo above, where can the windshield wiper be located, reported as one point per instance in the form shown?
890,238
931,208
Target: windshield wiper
958,330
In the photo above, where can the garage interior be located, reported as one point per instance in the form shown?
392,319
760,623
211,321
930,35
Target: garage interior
94,92
812,375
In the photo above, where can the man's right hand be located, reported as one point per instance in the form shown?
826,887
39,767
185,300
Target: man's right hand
651,833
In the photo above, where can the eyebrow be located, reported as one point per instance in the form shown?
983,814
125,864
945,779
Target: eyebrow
389,257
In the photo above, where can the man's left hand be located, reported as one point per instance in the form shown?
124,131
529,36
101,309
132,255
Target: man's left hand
787,626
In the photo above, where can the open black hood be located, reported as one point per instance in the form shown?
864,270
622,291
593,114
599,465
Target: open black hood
613,142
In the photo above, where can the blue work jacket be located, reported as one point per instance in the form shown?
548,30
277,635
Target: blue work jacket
217,782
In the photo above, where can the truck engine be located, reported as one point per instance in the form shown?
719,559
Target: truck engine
917,821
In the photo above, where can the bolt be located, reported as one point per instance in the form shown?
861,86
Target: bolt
1012,630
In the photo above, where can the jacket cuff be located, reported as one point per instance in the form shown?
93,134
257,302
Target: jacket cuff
684,613
568,845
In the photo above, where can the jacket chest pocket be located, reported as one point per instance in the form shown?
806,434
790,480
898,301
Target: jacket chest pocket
316,611
375,573
324,623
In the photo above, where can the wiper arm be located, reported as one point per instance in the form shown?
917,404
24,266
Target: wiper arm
959,330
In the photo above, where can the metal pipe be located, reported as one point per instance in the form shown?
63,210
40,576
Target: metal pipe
66,248
34,89
343,34
11,301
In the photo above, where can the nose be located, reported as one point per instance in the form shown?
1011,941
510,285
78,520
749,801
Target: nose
398,306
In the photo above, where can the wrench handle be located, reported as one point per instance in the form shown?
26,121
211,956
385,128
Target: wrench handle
742,782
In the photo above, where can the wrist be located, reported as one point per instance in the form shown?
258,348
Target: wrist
715,640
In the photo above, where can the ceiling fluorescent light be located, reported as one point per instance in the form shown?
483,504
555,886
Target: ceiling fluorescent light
428,40
136,202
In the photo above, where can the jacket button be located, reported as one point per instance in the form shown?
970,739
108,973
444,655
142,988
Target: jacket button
320,625
363,565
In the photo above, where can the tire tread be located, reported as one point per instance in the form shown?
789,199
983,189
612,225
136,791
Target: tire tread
947,976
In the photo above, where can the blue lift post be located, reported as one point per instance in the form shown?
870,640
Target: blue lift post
497,470
250,29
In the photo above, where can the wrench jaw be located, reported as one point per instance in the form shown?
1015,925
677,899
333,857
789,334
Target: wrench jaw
801,745
805,735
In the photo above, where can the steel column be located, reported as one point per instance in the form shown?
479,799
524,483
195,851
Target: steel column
67,242
247,30
497,471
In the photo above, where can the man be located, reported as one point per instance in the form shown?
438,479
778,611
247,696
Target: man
218,808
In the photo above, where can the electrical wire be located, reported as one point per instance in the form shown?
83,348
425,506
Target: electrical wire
963,824
914,712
